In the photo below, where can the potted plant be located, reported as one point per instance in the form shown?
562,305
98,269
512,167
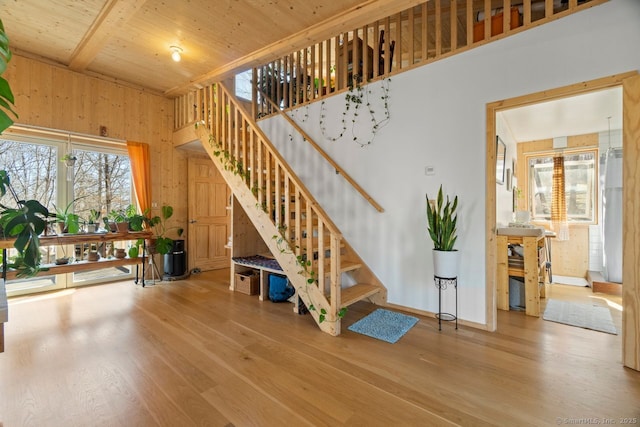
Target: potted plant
25,222
69,159
442,219
67,222
92,221
162,243
119,218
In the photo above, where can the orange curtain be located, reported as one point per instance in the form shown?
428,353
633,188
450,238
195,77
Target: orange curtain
141,172
558,201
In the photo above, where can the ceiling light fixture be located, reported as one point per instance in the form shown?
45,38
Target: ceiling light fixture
175,53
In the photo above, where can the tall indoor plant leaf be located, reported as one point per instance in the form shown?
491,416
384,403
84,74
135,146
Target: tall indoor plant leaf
6,95
442,220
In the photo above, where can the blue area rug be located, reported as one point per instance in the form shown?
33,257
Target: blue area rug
384,325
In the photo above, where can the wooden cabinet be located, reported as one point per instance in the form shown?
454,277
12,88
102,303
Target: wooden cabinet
532,270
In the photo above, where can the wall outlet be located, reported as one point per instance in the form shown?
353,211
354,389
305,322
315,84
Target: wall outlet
429,170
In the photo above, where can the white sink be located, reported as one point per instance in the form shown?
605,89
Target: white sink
521,231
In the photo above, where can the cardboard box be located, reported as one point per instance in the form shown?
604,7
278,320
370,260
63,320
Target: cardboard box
247,282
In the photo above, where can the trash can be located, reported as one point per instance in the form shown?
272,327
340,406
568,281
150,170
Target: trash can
175,261
517,300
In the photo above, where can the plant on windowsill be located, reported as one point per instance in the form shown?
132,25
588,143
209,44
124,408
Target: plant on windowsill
442,220
92,221
66,221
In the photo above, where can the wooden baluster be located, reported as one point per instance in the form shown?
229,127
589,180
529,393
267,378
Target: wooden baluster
548,8
469,16
366,54
438,28
411,48
506,16
328,64
453,19
425,31
316,79
526,12
321,259
260,171
487,19
387,53
398,45
376,50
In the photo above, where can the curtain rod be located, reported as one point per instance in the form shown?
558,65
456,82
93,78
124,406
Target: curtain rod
66,134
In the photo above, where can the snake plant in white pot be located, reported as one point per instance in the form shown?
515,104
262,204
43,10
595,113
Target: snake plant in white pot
442,219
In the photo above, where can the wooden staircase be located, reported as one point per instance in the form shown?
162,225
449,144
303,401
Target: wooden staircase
303,239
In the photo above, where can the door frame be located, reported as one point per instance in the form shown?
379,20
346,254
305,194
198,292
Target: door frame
630,338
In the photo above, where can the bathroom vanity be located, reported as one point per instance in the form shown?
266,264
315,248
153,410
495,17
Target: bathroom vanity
532,269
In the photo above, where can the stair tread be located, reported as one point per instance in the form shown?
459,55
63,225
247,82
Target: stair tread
349,266
357,292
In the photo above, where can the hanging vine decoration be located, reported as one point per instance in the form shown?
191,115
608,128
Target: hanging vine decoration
229,162
357,97
284,247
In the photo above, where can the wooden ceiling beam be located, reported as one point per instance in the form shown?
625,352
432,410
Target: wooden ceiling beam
113,15
348,20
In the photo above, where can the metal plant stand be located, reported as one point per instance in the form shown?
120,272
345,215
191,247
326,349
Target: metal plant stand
441,284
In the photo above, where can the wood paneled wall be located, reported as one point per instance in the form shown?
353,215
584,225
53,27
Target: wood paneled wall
50,96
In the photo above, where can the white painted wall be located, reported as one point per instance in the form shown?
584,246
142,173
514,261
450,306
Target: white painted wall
438,119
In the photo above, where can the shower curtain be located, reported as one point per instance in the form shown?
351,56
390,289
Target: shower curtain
612,216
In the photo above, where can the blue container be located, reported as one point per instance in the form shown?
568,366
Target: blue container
279,288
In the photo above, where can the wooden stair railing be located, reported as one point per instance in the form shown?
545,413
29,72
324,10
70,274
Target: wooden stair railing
307,245
422,34
416,36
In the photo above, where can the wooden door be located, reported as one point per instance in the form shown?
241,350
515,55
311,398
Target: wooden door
208,216
631,223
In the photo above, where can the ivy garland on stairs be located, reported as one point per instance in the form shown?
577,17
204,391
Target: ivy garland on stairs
228,161
310,275
357,96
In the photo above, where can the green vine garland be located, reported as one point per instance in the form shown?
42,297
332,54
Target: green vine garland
310,275
357,96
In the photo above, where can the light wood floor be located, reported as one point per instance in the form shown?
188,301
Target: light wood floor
192,353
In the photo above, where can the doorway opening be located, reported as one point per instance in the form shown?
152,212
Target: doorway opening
493,110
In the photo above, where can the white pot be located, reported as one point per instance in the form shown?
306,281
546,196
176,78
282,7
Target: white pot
445,263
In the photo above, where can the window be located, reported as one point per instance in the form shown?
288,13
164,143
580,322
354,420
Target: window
244,85
580,186
100,179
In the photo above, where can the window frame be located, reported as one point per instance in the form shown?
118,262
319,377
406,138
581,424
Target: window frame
65,192
566,152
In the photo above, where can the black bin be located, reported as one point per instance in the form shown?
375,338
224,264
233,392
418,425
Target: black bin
175,261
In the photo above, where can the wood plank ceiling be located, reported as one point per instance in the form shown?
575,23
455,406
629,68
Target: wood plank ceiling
129,40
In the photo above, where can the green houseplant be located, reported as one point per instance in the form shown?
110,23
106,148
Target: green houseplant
6,95
68,222
442,220
92,221
25,223
162,243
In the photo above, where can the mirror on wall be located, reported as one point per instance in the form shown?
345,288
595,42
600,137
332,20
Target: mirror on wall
501,155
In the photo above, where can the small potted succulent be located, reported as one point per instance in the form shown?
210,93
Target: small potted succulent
92,221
